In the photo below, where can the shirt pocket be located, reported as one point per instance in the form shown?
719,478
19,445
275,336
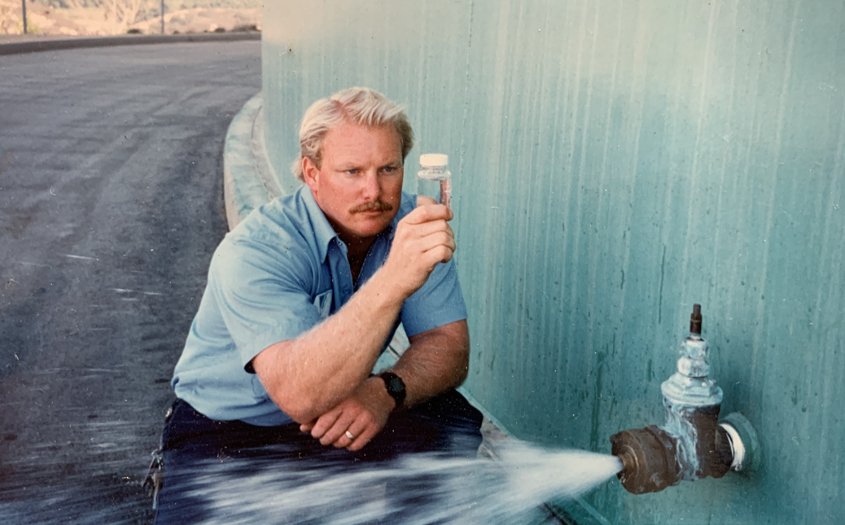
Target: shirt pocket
323,303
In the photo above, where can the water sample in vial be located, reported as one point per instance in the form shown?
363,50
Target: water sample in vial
434,179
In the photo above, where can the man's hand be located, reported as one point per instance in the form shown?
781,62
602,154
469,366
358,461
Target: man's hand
362,415
423,238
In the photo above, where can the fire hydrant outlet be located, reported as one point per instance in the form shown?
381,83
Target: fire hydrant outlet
648,459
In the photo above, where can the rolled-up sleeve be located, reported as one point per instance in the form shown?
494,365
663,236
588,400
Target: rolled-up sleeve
262,300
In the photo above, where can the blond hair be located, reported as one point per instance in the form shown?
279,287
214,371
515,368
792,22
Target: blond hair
357,105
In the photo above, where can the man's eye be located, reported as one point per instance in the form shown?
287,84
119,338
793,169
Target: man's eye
352,171
389,169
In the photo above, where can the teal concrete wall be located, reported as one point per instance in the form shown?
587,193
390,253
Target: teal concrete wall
615,162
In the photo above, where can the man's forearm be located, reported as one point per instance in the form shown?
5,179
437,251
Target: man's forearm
312,373
436,361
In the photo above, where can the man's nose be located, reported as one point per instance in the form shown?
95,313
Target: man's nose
371,185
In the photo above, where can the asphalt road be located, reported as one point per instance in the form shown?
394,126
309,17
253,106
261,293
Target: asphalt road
110,207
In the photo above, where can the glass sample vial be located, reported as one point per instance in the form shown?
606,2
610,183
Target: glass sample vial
434,179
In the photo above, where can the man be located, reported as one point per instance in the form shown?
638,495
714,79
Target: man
302,298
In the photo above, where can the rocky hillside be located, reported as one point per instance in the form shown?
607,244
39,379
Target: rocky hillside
113,17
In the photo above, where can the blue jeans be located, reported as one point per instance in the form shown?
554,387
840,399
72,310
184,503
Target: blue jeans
202,456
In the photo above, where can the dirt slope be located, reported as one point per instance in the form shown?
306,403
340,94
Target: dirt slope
42,19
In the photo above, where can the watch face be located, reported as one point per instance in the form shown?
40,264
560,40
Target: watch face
395,387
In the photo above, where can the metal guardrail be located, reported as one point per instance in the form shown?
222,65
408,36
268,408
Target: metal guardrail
26,45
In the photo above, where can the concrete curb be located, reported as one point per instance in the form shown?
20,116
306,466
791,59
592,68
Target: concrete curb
248,178
51,44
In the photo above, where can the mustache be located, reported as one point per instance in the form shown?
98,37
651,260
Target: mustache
372,206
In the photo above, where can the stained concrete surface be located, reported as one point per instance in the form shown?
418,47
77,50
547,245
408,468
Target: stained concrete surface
110,206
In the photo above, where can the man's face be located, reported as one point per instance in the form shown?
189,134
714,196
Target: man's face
359,182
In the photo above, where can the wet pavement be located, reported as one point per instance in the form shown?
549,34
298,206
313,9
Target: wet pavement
110,206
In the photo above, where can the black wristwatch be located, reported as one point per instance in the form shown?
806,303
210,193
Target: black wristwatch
395,387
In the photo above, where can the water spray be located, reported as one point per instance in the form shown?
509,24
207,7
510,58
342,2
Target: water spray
692,444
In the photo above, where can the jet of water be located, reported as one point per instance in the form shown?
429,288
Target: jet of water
415,489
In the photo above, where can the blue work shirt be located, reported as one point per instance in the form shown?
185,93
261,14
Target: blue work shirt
280,272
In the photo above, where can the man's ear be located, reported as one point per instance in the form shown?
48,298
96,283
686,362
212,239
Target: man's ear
310,172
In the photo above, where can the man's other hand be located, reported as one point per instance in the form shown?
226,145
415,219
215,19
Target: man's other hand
361,416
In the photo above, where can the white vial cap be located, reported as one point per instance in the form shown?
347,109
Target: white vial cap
434,160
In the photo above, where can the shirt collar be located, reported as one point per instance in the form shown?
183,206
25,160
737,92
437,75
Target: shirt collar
323,231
